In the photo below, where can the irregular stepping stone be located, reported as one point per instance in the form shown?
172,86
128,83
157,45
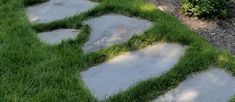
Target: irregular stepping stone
214,85
112,29
126,70
57,36
57,9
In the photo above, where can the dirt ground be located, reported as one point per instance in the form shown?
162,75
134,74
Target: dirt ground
219,32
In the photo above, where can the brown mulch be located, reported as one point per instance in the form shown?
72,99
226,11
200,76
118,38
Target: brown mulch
219,32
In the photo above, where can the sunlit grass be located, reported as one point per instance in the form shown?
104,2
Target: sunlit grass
147,7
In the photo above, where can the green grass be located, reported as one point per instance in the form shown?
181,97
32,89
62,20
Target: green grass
233,99
32,71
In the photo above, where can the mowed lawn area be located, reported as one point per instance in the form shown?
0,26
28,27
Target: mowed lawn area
31,71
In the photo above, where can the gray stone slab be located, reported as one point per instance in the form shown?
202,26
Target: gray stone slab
128,69
57,36
113,29
57,9
214,85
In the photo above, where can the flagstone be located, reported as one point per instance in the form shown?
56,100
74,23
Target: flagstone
111,29
57,9
128,69
214,85
57,36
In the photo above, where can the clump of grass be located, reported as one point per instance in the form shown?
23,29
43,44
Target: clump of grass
233,99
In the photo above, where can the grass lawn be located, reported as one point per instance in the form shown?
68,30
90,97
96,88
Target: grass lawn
233,99
33,71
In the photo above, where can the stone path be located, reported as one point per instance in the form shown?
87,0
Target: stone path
57,36
57,9
125,71
113,29
214,85
128,69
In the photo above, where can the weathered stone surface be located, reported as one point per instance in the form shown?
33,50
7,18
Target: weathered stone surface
214,85
126,70
57,36
57,9
113,29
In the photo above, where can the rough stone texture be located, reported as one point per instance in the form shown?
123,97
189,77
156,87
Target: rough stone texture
112,29
214,85
57,9
57,36
126,70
